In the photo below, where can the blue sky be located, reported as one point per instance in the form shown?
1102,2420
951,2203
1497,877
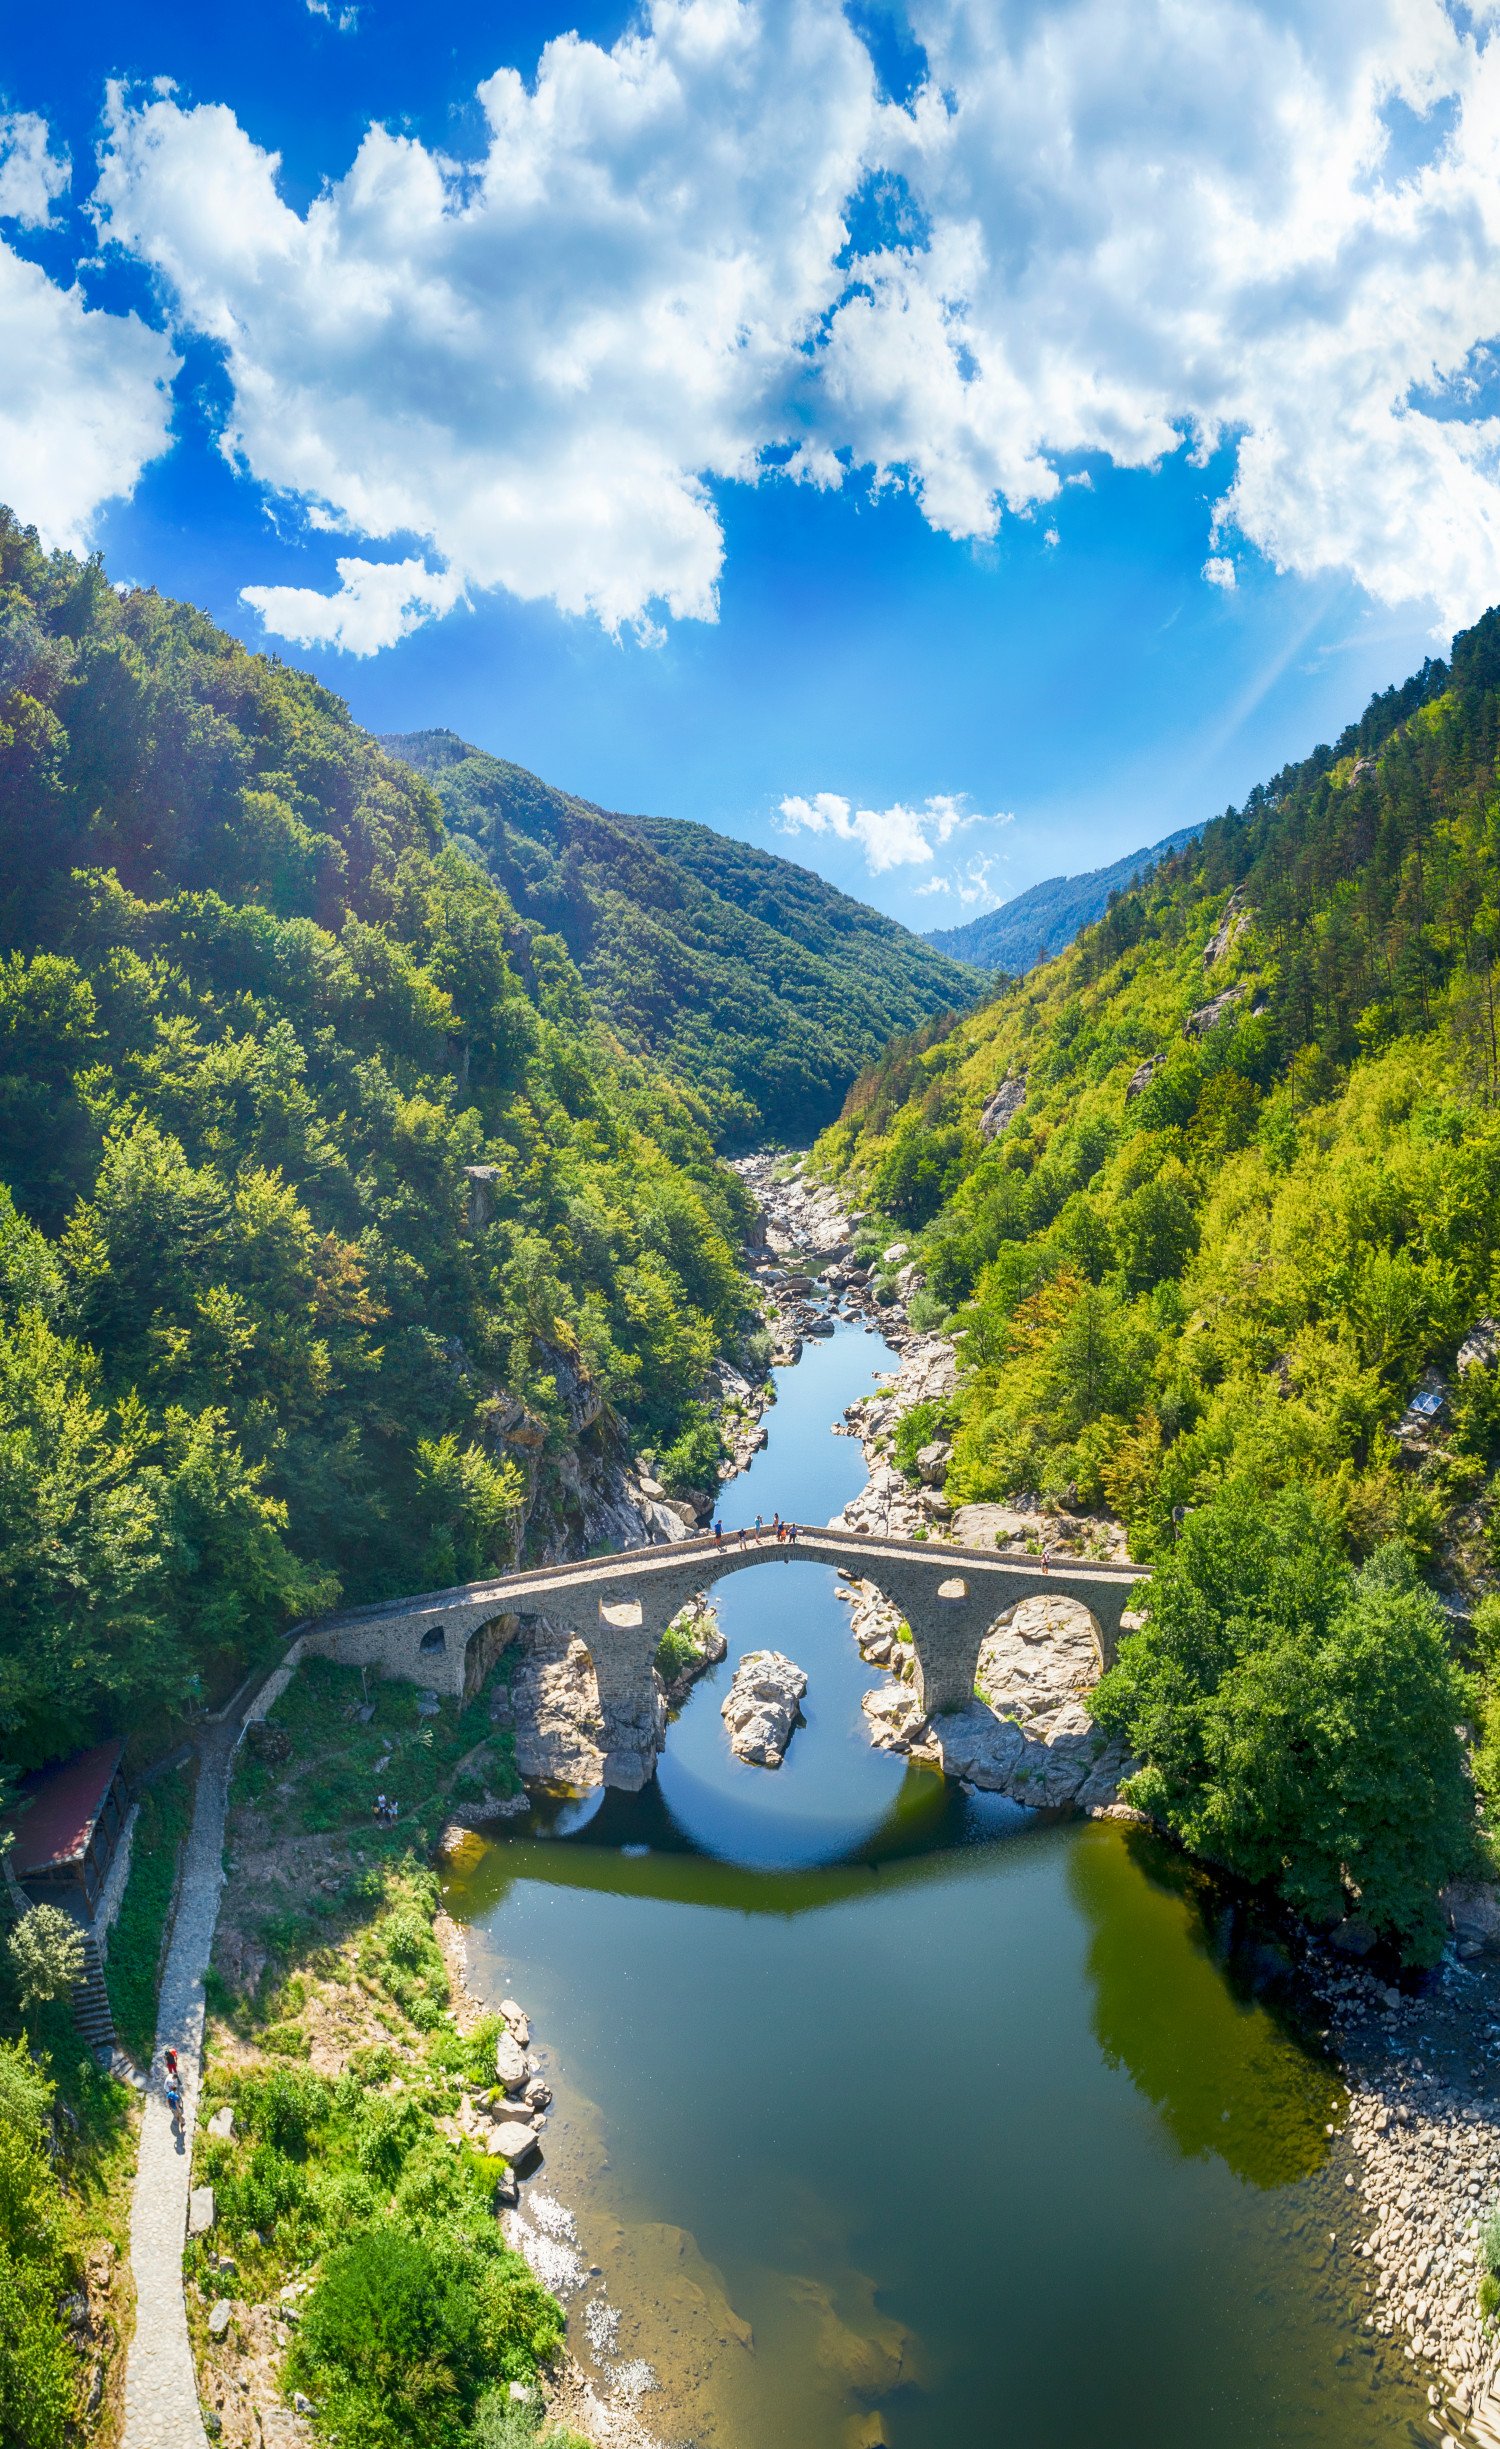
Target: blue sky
948,445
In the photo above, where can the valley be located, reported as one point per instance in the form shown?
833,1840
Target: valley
390,1205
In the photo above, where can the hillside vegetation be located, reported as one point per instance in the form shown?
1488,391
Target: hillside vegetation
749,978
1047,916
264,1341
1204,1198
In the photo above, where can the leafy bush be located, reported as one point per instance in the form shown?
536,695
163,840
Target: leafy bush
38,2379
46,1955
1296,1720
692,1459
403,2333
914,1430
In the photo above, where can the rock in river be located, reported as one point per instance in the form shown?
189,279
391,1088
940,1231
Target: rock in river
762,1706
511,2068
514,2142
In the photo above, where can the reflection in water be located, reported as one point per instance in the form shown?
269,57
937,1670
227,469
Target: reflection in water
1223,2067
897,2116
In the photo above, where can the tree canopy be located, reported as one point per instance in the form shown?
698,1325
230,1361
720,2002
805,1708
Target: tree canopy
331,1215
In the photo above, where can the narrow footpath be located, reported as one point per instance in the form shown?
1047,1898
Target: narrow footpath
161,2384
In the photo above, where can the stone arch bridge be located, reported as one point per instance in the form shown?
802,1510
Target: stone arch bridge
619,1606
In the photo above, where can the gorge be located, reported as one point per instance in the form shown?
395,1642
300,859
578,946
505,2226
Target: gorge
373,1268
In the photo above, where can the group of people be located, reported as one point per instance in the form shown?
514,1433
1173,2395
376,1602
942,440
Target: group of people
786,1532
386,1809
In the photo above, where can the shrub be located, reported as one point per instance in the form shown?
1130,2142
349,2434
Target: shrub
914,1430
403,2335
46,1954
37,2382
1297,1721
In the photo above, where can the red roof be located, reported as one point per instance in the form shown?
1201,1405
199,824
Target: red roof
61,1806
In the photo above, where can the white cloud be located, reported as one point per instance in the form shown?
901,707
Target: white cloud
1219,571
85,403
541,363
535,363
377,602
889,837
343,20
1134,248
971,884
32,176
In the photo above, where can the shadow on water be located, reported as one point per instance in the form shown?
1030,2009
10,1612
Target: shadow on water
898,2116
1218,2049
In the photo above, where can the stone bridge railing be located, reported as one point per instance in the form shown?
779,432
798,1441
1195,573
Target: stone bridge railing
619,1606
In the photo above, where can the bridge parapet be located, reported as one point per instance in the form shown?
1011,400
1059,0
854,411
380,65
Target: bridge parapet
620,1605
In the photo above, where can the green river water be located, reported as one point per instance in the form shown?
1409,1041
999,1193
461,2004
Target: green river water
894,2114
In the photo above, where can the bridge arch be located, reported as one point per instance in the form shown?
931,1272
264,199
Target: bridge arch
619,1606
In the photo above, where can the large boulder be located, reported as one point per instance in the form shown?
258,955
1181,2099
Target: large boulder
511,2068
762,1706
515,2143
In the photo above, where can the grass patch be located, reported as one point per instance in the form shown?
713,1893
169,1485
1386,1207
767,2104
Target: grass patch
355,2172
132,1967
316,1766
414,2309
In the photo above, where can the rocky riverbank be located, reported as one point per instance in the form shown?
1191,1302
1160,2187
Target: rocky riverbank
1420,2144
1027,1733
1422,2137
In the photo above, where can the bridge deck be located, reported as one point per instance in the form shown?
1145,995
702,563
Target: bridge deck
627,1568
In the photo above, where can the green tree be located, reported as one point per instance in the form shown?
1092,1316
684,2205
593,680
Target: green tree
46,1955
1296,1722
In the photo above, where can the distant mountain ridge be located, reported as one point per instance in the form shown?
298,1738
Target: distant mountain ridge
1047,916
756,983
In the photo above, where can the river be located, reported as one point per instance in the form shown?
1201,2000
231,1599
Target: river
894,2114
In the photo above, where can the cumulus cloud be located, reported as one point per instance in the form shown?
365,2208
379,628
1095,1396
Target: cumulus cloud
377,602
537,361
889,837
1218,569
85,403
32,176
713,252
1133,249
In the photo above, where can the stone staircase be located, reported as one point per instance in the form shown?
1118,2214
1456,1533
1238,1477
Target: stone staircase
91,2010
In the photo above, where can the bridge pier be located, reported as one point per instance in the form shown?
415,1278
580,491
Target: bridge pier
623,1645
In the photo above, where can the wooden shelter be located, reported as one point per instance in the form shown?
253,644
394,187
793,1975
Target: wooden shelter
67,1823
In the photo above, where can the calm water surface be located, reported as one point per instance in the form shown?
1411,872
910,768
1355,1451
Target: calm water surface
897,2115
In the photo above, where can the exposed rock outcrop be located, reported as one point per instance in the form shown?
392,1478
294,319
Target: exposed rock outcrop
1028,1732
1000,1111
762,1706
1230,928
561,1738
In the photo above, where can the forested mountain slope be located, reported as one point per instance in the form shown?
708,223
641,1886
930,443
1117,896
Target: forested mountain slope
746,975
1205,1197
264,1340
1047,916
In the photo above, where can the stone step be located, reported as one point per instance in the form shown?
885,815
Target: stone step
91,2008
